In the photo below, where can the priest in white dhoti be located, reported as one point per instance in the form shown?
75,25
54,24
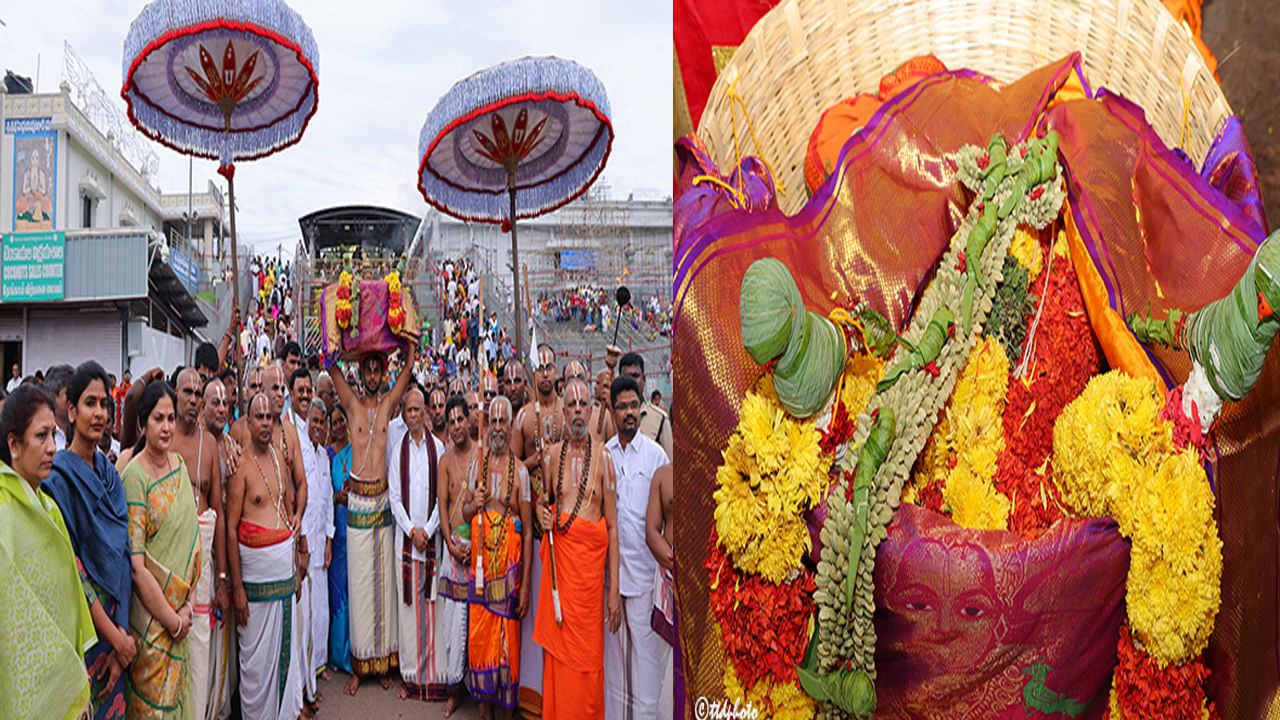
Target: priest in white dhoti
412,464
223,667
318,528
635,658
264,576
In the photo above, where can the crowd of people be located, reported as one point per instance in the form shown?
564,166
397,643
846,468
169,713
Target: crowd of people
222,541
467,340
593,307
269,323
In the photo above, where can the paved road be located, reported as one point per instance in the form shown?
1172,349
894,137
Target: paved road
374,703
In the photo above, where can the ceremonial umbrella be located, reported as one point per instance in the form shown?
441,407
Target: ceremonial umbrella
222,79
536,128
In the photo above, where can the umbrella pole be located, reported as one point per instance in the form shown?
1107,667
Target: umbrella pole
235,276
515,271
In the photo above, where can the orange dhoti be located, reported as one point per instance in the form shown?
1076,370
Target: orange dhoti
493,637
573,663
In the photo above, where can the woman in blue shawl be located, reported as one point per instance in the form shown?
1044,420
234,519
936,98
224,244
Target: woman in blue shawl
340,457
90,495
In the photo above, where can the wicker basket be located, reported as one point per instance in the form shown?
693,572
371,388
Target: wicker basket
805,55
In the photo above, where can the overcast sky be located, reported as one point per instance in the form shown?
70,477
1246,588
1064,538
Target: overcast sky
383,65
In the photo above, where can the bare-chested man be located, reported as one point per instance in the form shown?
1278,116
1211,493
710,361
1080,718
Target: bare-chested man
514,385
263,514
660,535
284,435
370,532
472,401
435,411
539,424
602,427
253,386
498,501
199,450
455,570
581,520
217,407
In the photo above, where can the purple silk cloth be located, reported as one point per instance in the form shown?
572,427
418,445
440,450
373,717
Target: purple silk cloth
698,200
963,617
1229,167
1156,232
375,334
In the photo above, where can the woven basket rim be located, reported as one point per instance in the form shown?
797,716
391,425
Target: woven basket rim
805,55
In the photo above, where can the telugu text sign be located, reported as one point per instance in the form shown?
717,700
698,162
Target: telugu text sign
32,266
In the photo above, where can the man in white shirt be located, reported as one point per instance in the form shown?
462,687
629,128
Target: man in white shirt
636,658
318,528
15,378
298,407
411,478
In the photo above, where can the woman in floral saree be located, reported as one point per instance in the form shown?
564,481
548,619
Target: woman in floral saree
164,542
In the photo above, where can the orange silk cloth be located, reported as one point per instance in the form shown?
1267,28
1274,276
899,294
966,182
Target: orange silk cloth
573,664
580,564
570,693
493,630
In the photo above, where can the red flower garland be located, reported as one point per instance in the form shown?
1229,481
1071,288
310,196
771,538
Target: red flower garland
1143,690
763,627
839,431
1186,430
1065,356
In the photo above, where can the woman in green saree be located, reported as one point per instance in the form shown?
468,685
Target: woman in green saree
165,554
45,626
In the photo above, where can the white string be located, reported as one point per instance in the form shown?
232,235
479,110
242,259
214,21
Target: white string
1029,345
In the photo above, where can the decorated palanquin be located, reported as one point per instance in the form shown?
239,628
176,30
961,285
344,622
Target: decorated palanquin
361,315
992,431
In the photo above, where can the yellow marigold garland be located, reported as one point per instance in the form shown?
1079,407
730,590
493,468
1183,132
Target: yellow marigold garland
861,373
969,438
773,470
1025,248
780,701
1114,455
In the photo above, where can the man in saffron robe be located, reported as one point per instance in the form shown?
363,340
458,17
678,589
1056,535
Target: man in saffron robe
581,522
497,499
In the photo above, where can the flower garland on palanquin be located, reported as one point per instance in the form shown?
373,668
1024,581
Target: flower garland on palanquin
1028,433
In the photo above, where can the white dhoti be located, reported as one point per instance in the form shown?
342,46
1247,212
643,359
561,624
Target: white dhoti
318,637
271,668
530,651
451,620
634,663
202,606
223,666
663,622
372,572
422,666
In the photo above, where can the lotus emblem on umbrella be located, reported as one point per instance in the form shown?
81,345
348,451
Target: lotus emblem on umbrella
517,145
228,86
